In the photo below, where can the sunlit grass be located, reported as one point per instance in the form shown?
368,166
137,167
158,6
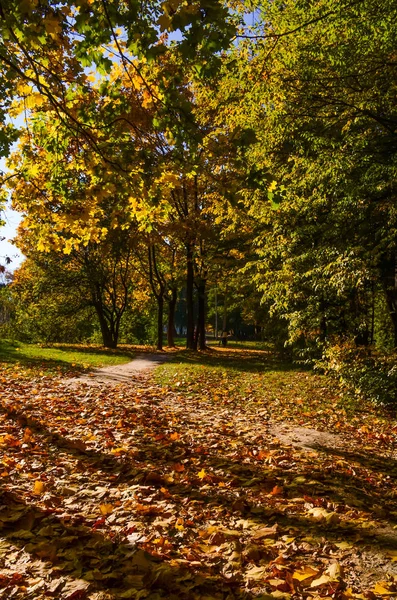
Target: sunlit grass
257,377
60,358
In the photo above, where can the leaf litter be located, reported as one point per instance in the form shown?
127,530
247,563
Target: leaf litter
153,490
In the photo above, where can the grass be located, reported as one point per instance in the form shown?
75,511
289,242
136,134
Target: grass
250,375
60,358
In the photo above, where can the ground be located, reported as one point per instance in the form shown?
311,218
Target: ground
223,476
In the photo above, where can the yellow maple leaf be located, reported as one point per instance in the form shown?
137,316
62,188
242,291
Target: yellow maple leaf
33,100
106,509
202,474
38,488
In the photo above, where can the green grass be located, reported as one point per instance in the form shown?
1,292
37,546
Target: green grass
250,375
60,358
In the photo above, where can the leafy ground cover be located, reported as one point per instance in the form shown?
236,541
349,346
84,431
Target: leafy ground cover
175,486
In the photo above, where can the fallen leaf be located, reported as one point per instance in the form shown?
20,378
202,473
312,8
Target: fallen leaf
305,573
106,509
39,488
382,588
178,468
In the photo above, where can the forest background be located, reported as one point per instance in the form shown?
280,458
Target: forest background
183,159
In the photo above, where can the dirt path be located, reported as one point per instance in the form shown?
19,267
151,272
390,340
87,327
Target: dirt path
117,374
300,444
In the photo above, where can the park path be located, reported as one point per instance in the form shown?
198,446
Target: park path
123,487
116,374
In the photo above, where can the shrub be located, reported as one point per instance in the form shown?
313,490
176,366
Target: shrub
365,372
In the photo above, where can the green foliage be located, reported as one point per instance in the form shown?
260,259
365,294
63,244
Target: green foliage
323,166
139,325
365,373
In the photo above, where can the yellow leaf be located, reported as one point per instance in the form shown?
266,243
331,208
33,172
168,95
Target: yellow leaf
382,590
344,545
34,100
34,170
305,573
106,509
118,451
38,488
201,474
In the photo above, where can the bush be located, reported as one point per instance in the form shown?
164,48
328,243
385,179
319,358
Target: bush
365,372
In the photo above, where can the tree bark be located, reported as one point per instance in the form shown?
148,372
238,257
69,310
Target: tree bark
389,273
160,308
109,337
171,318
201,316
224,319
190,339
158,288
323,322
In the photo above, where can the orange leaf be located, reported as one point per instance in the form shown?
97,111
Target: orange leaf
277,490
38,488
264,454
174,436
178,467
106,509
27,436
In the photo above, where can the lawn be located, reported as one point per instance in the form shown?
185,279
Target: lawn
60,358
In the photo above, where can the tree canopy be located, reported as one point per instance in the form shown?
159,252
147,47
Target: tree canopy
252,143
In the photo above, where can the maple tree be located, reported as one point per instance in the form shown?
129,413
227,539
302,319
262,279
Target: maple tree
163,177
45,45
98,275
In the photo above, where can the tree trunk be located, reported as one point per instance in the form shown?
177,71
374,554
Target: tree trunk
224,320
201,316
171,319
323,322
190,341
389,272
373,299
160,308
109,339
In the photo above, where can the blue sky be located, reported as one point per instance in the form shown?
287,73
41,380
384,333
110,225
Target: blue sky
12,219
